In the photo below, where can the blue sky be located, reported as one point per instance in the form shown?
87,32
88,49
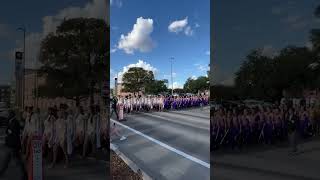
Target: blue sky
14,14
153,43
240,26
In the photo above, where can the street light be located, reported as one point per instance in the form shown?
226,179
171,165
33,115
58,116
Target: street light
23,29
172,58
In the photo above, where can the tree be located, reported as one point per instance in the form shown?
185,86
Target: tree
137,79
75,58
266,77
195,85
156,87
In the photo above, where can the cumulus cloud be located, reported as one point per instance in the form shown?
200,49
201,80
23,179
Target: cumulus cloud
193,77
202,67
309,45
178,26
141,64
168,76
117,3
182,26
93,9
139,38
219,76
269,51
177,85
188,31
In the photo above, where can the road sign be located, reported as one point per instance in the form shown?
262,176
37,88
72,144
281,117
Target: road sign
37,158
19,55
18,64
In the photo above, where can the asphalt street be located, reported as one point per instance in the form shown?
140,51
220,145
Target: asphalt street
274,163
171,145
80,169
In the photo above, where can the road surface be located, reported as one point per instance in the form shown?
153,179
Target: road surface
168,145
268,163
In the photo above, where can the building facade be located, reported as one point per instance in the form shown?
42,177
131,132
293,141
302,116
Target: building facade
5,94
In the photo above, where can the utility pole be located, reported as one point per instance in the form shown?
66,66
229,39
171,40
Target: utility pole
172,58
23,29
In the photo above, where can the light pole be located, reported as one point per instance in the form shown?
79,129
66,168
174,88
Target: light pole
23,29
116,84
171,59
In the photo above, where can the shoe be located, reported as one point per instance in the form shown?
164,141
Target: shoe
122,138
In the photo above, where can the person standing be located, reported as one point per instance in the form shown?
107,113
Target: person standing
293,124
114,107
13,147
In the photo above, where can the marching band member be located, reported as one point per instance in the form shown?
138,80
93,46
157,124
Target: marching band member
60,129
98,126
70,131
80,126
47,138
89,132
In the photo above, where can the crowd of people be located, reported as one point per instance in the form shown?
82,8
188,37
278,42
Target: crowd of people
66,128
160,103
239,127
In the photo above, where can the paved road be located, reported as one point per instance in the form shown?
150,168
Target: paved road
79,169
269,163
173,145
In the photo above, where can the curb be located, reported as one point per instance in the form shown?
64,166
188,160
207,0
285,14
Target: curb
130,163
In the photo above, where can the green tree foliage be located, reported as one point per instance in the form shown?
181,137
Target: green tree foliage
265,77
156,87
75,58
137,79
195,85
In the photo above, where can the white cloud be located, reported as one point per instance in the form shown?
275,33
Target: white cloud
208,53
168,76
196,25
117,3
177,85
139,38
188,31
141,64
309,45
269,51
220,76
193,77
178,26
93,9
113,50
202,67
182,26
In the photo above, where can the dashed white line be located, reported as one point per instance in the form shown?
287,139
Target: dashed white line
185,155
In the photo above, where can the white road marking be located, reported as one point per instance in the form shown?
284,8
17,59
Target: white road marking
194,159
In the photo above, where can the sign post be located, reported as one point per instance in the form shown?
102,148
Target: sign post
19,79
36,159
120,112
